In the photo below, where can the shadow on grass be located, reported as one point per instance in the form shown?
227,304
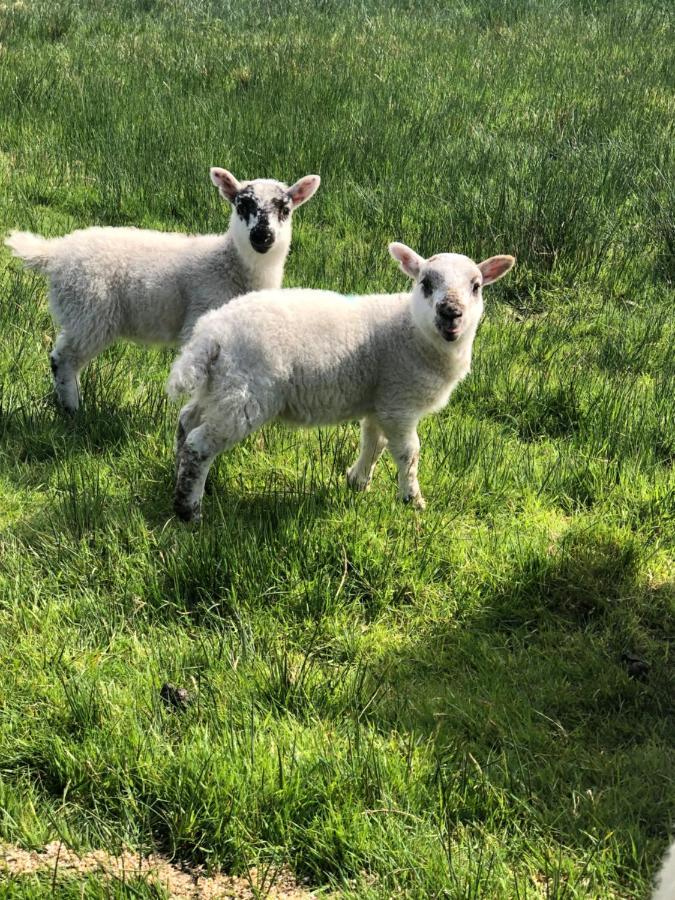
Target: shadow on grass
240,544
204,573
35,430
43,432
530,691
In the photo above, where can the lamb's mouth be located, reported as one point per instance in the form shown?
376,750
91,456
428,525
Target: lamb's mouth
449,329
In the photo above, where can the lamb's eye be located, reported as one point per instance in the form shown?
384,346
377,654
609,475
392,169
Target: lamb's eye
426,286
283,210
476,287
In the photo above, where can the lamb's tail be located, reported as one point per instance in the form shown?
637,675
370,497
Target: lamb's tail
35,251
192,368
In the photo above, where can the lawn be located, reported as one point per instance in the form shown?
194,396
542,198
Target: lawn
475,701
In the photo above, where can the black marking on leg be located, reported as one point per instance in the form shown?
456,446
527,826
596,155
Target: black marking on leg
181,434
188,472
187,512
53,364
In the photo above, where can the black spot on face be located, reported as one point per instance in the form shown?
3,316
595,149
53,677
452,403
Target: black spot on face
246,204
282,206
429,283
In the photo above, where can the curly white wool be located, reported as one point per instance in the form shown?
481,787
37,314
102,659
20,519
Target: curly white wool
151,287
311,357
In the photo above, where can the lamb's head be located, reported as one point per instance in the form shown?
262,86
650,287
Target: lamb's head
447,300
263,209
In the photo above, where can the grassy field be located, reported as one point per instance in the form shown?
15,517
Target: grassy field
389,703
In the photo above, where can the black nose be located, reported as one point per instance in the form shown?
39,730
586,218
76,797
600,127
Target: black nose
449,312
261,240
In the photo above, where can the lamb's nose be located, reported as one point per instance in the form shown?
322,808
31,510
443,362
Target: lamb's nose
449,310
262,240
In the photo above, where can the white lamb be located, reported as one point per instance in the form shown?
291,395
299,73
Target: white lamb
311,357
150,286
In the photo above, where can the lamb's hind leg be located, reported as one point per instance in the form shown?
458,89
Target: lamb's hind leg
373,443
67,359
217,432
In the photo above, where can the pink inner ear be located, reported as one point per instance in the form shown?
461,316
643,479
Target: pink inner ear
410,262
225,182
495,267
302,190
299,194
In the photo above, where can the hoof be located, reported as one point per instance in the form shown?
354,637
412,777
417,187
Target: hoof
356,482
417,501
190,513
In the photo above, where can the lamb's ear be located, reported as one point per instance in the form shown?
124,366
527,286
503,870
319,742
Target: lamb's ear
226,183
302,190
493,268
409,261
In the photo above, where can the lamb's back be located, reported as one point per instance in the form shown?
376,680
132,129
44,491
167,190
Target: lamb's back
129,275
296,328
323,353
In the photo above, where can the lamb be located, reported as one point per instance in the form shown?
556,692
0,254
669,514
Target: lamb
150,286
311,357
665,880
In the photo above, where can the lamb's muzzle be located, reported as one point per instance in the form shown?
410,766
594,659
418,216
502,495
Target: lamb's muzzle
448,316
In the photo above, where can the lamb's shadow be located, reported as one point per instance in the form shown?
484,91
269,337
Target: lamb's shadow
36,431
241,543
41,433
528,697
195,572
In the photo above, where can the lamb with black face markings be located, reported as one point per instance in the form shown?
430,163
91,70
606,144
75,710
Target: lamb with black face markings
150,287
308,357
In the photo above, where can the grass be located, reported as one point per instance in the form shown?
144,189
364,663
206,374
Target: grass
89,887
434,705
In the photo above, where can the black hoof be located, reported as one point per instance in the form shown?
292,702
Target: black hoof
187,512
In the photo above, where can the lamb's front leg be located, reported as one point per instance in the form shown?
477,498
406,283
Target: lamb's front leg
373,443
404,446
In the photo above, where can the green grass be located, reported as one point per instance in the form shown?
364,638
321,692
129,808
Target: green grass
88,887
428,705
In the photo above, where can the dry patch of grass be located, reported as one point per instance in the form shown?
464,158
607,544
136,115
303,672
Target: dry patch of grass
194,883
